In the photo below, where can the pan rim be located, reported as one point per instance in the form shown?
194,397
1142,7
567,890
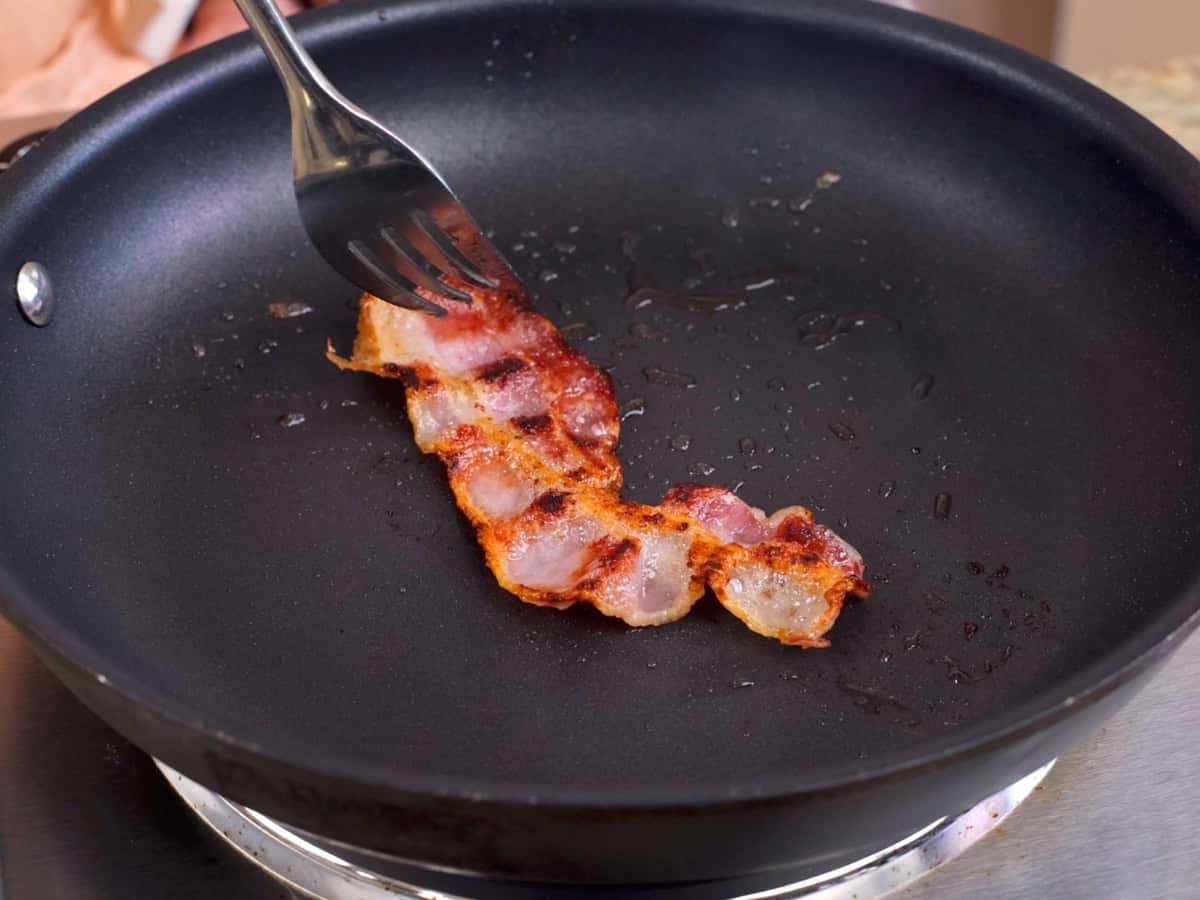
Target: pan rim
1170,170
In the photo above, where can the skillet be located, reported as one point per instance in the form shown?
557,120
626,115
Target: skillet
976,354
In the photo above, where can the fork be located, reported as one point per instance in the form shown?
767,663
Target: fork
377,212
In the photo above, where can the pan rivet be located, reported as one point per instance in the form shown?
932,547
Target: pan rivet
35,293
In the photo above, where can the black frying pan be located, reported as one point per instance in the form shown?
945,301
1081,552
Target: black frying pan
300,618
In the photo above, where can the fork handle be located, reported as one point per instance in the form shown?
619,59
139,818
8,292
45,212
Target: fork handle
301,78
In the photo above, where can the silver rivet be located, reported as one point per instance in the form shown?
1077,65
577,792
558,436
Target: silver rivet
35,293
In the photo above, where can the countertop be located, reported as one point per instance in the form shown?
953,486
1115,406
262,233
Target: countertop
1112,821
1168,95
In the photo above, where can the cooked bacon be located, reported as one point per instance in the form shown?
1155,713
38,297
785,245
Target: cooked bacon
527,428
514,375
555,543
785,576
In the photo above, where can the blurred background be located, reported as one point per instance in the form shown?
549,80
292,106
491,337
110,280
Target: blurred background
1082,35
70,52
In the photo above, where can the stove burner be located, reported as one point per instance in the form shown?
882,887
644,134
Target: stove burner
316,869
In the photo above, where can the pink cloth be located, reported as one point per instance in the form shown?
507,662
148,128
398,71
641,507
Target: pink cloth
91,58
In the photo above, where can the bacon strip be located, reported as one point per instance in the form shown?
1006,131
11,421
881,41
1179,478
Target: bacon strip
785,576
527,428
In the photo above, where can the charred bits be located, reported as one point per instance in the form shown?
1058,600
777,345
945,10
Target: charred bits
501,369
551,503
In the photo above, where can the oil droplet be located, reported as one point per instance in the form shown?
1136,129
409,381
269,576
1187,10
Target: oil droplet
776,384
747,445
681,441
885,656
730,218
651,665
226,317
886,488
656,375
760,284
842,431
266,345
922,386
957,673
288,310
941,505
564,247
644,331
701,468
735,395
199,350
291,420
239,363
582,329
743,683
824,181
548,275
633,407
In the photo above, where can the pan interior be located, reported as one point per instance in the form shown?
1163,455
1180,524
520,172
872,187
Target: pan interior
891,277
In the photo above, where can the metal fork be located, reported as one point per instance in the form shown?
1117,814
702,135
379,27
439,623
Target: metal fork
377,212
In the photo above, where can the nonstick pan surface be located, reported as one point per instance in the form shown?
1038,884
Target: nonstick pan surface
976,352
